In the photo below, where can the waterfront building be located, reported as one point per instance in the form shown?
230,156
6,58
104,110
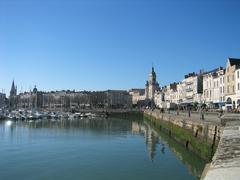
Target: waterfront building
237,88
138,97
232,66
181,93
213,88
30,100
118,99
159,99
98,99
170,96
192,88
61,100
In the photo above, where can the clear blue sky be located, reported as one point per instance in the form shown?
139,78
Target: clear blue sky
111,44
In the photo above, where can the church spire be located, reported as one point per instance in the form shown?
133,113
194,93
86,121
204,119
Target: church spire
152,69
13,86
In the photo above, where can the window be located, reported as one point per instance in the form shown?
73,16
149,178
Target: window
223,89
233,89
233,77
227,78
238,74
238,86
228,89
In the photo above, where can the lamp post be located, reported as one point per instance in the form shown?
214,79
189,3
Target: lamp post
201,110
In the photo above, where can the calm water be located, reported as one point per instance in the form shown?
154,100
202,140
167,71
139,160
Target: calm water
92,149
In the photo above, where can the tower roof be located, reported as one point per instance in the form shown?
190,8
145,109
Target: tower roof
35,89
234,61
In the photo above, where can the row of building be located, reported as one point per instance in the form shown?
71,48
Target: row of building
218,88
67,100
2,99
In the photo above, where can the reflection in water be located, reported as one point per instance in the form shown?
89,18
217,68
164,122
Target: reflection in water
194,163
157,142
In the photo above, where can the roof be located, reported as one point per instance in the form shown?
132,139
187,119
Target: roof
213,71
234,61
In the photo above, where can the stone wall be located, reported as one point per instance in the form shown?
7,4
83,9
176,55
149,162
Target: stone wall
199,136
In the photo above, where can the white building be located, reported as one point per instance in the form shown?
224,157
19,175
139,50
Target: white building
213,88
191,88
159,99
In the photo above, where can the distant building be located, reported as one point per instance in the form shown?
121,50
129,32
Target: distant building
118,99
138,97
2,100
98,99
31,100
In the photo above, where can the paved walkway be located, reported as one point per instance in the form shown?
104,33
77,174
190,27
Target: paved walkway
210,118
226,161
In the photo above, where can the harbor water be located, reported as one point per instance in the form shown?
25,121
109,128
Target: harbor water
92,149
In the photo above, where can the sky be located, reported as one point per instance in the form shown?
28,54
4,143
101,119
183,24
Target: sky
112,44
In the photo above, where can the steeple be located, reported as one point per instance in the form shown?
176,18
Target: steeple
13,91
13,86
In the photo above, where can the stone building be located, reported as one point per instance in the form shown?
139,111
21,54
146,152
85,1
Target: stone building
31,100
151,85
232,67
98,99
151,88
118,99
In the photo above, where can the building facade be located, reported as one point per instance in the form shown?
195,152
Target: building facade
118,99
30,100
192,88
232,66
138,97
213,88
